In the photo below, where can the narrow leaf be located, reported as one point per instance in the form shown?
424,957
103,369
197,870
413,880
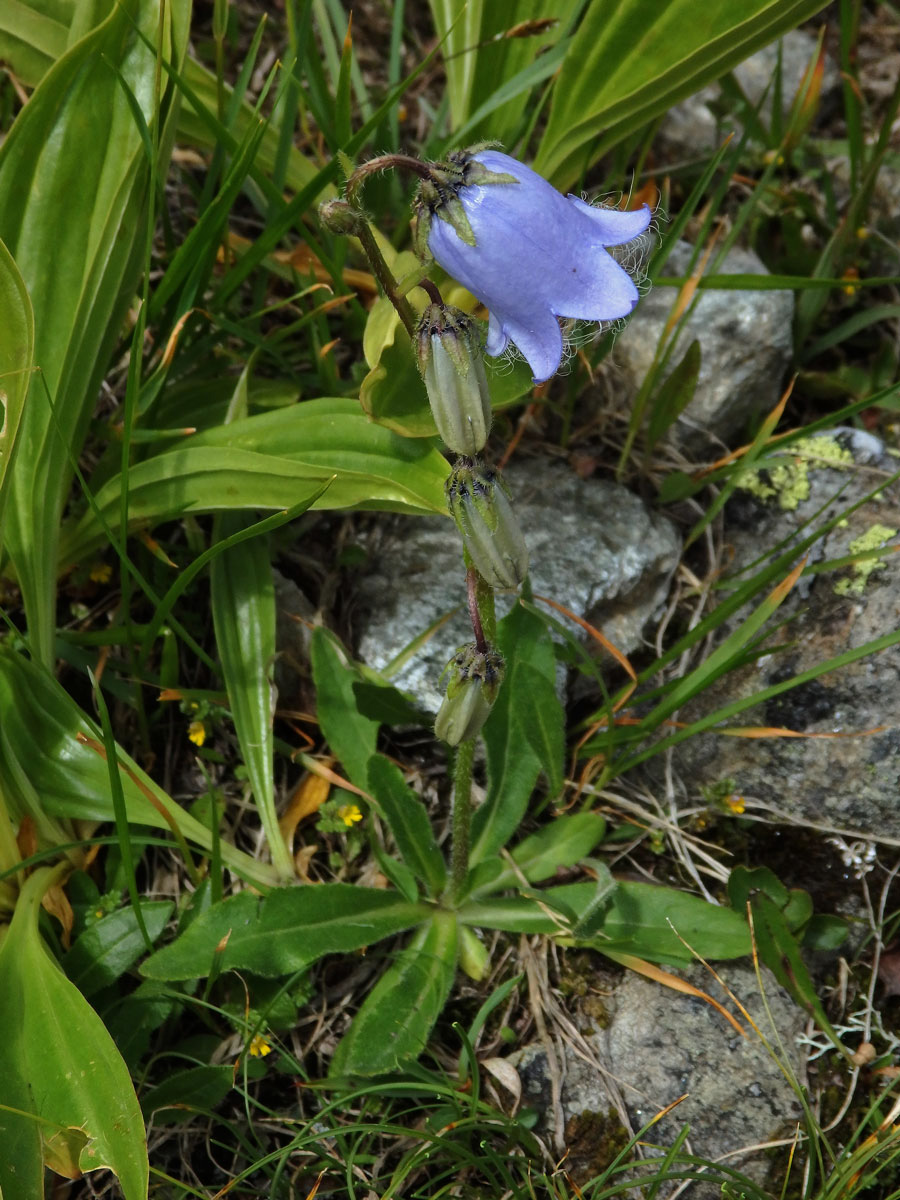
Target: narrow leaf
408,821
392,1027
242,595
284,931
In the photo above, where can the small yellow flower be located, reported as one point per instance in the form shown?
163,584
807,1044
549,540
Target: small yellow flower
101,573
349,814
197,732
736,804
259,1047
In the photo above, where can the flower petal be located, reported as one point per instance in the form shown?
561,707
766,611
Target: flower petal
497,337
540,342
615,225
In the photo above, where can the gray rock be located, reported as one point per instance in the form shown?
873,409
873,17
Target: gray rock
745,343
691,128
845,782
659,1045
594,546
294,617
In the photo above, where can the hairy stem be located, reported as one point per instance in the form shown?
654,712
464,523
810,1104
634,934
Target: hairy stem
462,818
385,277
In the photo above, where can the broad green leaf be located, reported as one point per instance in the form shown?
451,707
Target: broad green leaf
523,734
242,596
392,1027
408,821
631,61
53,768
641,919
284,931
562,844
272,461
112,945
350,735
59,1064
79,250
16,352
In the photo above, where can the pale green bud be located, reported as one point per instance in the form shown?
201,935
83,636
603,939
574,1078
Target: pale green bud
448,347
475,678
479,504
340,217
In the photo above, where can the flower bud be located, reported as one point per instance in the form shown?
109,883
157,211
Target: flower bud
479,504
475,678
449,351
340,217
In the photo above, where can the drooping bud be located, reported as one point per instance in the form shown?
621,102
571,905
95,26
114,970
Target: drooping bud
475,678
340,217
448,348
479,504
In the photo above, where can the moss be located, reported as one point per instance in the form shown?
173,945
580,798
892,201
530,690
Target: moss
593,1141
874,537
787,480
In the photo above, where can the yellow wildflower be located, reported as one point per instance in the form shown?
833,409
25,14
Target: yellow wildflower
349,814
259,1047
101,573
735,804
197,732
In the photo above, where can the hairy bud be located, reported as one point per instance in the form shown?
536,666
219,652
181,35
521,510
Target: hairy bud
448,348
475,678
479,504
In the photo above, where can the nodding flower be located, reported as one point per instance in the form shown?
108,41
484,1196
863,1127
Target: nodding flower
526,251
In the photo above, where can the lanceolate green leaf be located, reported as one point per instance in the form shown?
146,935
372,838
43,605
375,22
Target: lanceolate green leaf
272,461
392,1027
16,351
408,821
72,207
243,611
524,733
52,766
631,61
35,33
481,62
59,1064
641,919
284,931
112,945
350,735
563,844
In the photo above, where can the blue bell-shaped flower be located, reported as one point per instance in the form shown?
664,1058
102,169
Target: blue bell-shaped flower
525,251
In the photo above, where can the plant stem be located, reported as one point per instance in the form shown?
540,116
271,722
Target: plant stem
385,277
487,610
462,817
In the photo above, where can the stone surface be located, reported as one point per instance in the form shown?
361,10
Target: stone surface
690,129
659,1045
849,782
745,343
595,548
294,617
